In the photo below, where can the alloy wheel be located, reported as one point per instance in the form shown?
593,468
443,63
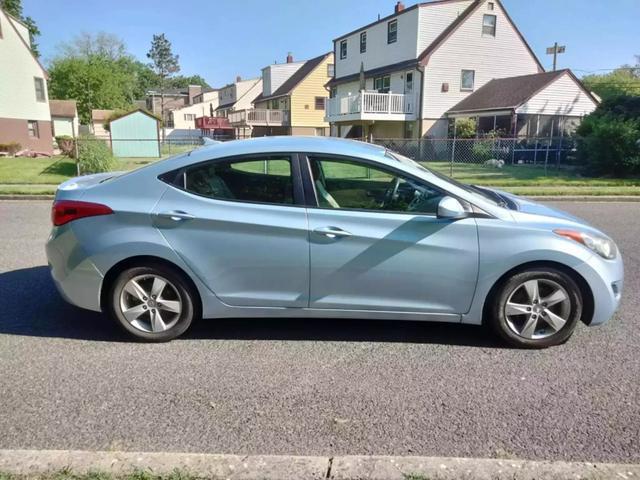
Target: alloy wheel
537,309
150,303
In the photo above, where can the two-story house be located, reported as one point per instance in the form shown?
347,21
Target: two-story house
24,104
292,101
400,75
238,95
162,102
203,105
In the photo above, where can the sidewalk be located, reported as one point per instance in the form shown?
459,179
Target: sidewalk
281,467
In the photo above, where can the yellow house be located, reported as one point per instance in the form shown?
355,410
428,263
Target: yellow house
292,102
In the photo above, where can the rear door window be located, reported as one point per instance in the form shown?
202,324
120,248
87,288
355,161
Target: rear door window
259,180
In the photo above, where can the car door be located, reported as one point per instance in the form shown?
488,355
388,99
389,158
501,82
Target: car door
377,244
240,225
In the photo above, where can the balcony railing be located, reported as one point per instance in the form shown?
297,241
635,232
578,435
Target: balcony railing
372,104
259,116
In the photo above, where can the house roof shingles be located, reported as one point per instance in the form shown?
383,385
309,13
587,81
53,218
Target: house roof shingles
506,93
293,81
63,108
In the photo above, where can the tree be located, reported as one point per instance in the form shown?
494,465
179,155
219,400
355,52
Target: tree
608,139
14,8
621,81
98,72
93,81
102,44
165,64
180,81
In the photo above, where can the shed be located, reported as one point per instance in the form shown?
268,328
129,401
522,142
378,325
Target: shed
135,134
64,117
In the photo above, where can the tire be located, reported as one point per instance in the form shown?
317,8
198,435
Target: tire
157,319
524,321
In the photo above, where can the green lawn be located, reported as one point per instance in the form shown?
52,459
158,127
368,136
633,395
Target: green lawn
42,175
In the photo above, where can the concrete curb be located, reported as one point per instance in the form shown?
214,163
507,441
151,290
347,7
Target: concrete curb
26,197
282,467
585,198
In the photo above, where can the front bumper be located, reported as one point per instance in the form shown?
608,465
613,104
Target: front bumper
606,279
74,275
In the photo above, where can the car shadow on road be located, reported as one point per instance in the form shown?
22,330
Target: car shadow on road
31,306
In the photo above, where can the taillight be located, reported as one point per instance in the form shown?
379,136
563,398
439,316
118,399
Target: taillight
65,211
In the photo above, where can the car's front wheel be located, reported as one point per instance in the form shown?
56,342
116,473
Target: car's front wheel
536,308
152,303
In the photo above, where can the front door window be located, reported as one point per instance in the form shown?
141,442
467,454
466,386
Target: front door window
351,185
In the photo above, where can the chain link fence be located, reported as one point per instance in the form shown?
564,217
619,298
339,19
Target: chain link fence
547,152
450,156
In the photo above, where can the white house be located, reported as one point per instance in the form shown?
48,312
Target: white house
24,104
400,75
238,95
183,119
64,118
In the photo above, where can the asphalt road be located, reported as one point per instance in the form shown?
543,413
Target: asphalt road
69,379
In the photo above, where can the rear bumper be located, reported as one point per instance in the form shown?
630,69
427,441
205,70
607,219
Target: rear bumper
605,278
74,275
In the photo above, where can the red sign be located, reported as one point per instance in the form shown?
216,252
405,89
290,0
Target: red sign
213,123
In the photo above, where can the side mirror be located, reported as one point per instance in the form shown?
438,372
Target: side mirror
451,208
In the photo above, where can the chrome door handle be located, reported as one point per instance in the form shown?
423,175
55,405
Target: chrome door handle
332,232
176,215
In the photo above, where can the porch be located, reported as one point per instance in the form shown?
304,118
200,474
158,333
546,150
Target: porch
372,106
259,117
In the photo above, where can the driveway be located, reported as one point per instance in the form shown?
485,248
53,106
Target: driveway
70,380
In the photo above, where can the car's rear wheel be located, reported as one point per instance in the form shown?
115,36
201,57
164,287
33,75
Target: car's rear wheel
536,308
152,303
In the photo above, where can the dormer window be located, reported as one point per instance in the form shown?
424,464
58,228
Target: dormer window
489,25
392,31
363,42
343,49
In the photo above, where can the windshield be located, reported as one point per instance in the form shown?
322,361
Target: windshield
486,195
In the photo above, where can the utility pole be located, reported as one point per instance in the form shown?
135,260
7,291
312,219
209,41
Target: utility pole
555,50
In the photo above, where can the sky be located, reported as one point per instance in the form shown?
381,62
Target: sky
220,39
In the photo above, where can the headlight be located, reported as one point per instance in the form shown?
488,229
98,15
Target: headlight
601,245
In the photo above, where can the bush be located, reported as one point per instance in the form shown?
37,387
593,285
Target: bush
65,144
11,148
94,155
609,145
482,150
464,128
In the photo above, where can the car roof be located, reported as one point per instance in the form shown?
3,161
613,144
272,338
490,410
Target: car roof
329,145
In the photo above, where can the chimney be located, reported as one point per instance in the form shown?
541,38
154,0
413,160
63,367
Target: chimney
238,79
399,7
289,58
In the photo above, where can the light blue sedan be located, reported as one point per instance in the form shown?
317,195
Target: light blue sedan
322,227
